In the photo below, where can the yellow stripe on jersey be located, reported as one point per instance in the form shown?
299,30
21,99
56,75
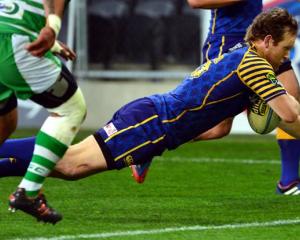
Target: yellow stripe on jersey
213,28
258,74
130,127
206,54
204,103
221,47
224,99
140,146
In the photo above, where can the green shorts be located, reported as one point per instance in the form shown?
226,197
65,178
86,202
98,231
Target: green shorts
22,74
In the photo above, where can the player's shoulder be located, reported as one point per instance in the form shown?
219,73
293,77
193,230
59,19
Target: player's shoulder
252,62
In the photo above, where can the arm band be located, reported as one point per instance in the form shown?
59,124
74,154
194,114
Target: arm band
54,22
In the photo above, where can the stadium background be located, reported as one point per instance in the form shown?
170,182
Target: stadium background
132,48
212,190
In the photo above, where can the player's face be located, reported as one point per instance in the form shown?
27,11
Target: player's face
278,52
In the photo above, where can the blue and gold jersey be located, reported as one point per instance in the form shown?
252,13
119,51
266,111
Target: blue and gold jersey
228,27
215,91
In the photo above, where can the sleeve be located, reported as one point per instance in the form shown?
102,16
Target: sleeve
257,74
286,66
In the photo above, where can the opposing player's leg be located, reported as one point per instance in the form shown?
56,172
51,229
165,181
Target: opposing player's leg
43,81
289,146
66,106
140,171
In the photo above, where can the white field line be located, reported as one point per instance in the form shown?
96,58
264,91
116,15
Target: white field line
217,160
197,228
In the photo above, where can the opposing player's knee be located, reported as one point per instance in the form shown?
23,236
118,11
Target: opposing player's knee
66,119
73,110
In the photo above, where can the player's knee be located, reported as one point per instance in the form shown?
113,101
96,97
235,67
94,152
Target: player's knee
76,108
73,111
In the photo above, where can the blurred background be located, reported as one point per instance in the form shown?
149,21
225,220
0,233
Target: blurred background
132,48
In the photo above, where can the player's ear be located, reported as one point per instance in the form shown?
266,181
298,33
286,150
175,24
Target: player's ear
268,41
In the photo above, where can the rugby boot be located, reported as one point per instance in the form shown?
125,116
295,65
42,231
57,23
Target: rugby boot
140,171
291,189
36,207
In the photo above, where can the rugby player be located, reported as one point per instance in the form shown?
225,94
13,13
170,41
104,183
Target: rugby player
217,90
29,70
228,24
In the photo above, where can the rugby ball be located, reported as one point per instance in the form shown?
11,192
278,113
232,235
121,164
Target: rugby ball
262,119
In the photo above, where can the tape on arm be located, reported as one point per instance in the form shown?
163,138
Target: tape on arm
56,47
54,22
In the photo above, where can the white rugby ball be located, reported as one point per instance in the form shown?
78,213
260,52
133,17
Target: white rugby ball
261,117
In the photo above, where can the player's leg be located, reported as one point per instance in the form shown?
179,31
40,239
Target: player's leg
66,106
81,160
43,80
8,102
134,135
289,147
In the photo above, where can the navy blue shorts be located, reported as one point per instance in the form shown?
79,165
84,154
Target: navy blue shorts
134,135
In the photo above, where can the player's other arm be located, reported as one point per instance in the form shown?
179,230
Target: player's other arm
55,7
208,4
286,107
54,11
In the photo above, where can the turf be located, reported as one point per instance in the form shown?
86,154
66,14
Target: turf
200,184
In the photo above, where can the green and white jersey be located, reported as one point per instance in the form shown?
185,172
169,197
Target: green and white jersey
25,17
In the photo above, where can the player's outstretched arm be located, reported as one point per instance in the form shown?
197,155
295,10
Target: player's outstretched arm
54,11
208,4
286,107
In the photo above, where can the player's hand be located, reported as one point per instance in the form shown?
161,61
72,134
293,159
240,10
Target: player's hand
43,43
63,51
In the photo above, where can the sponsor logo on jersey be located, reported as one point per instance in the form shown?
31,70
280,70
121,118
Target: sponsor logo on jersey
128,160
110,129
272,78
10,9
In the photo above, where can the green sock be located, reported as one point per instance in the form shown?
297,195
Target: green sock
47,152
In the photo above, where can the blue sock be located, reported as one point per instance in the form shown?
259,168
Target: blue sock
290,155
16,154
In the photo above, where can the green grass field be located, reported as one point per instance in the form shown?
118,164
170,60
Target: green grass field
207,190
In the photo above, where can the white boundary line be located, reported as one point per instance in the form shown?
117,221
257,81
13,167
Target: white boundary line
168,230
217,160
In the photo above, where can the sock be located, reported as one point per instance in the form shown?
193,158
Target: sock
17,148
13,167
17,154
290,155
47,152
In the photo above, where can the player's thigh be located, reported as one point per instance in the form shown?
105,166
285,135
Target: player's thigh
23,73
133,136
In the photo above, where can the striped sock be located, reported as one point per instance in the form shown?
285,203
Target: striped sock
47,152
